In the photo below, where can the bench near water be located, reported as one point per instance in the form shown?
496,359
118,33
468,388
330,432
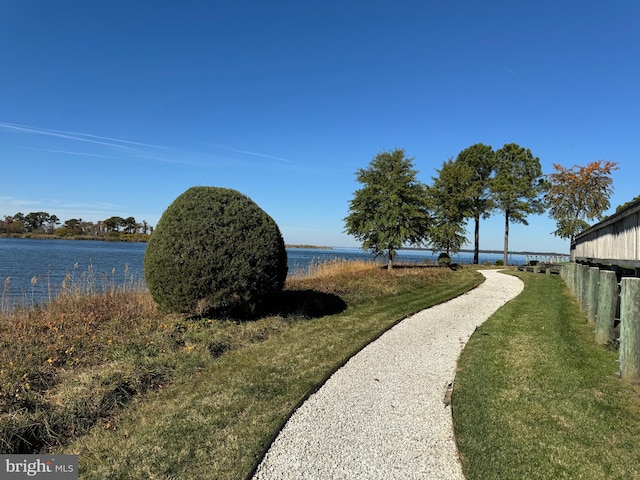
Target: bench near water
541,267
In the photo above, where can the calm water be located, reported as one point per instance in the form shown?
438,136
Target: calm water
37,268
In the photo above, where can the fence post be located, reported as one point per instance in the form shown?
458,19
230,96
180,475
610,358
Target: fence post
630,329
584,298
607,304
592,297
576,280
578,291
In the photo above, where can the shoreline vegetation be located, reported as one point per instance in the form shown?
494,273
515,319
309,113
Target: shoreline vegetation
107,237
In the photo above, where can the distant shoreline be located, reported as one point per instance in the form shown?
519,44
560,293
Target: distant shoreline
139,238
316,247
117,237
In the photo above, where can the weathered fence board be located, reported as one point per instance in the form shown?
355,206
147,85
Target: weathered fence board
630,329
592,295
607,306
584,286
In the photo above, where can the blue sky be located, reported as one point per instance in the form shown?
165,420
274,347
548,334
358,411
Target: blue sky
116,108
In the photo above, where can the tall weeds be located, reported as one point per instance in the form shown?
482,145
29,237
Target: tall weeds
74,284
336,266
4,298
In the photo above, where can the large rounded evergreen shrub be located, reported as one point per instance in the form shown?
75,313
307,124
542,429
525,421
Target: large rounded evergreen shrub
214,250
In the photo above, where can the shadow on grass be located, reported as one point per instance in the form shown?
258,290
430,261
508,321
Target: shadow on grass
412,266
36,430
304,303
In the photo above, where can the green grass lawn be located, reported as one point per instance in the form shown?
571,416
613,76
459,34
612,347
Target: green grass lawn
536,398
218,413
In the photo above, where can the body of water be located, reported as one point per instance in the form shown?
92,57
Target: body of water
33,270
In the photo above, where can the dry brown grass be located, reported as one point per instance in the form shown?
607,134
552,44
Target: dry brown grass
357,280
337,266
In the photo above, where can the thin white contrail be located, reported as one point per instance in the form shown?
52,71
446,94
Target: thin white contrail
67,152
246,152
81,137
122,144
130,148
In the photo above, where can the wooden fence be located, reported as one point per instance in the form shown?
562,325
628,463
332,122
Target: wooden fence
614,242
605,281
614,309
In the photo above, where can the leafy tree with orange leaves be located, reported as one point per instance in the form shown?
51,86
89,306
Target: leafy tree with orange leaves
579,194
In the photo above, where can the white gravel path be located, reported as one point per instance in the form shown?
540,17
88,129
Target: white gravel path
383,415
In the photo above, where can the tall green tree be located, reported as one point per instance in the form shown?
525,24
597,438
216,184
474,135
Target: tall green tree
481,160
130,225
391,208
517,187
113,224
73,225
578,194
35,221
19,217
449,203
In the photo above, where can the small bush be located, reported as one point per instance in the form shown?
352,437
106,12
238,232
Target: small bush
214,251
444,260
499,263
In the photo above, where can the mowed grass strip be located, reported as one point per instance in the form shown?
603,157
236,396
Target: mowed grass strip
535,398
219,413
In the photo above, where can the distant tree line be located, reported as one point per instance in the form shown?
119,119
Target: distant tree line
43,223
